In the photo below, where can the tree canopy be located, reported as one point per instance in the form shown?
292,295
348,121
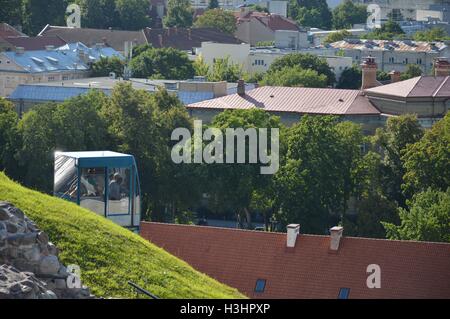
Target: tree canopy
347,13
217,18
311,13
179,14
295,76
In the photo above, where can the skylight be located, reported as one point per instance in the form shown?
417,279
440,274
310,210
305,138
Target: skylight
343,293
52,60
37,60
260,285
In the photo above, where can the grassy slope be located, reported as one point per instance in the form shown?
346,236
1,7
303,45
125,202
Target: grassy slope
108,254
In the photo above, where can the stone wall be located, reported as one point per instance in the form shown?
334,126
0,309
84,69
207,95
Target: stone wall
29,263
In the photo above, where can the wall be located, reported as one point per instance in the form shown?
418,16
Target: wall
237,53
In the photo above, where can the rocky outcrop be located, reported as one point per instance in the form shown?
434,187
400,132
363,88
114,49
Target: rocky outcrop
30,267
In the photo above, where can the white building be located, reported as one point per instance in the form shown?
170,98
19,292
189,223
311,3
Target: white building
316,36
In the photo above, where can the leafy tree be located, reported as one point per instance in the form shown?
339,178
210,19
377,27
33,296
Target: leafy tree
337,36
412,71
225,70
426,219
258,8
392,140
427,162
37,14
200,66
100,14
431,35
179,14
311,13
312,180
305,61
9,138
213,4
217,18
165,63
106,65
388,31
237,185
346,14
350,78
10,12
133,14
141,48
295,76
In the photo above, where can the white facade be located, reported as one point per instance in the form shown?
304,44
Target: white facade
287,39
316,37
237,53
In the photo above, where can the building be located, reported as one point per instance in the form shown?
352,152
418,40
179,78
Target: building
317,36
115,39
25,96
32,43
390,55
186,39
291,39
295,265
426,96
254,27
72,61
8,31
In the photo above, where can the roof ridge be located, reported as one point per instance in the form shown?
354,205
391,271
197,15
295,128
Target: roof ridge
435,92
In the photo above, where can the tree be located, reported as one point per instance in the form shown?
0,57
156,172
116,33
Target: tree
237,185
431,35
133,14
217,18
225,70
388,31
412,71
10,12
9,138
305,61
313,180
346,14
311,13
337,36
200,66
213,4
392,141
100,14
426,219
350,78
105,66
179,14
165,63
37,14
295,76
427,162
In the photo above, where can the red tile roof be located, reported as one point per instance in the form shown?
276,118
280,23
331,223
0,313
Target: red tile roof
272,21
309,270
295,100
8,31
35,43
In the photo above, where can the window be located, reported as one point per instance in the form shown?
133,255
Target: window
260,285
343,293
419,61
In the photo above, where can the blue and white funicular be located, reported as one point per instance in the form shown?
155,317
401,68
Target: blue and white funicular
105,182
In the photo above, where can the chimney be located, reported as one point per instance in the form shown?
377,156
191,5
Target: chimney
441,67
160,40
20,50
395,76
241,87
369,73
292,232
335,237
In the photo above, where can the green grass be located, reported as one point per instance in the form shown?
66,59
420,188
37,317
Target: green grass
108,254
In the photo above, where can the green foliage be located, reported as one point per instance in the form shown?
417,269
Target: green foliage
10,12
265,44
392,141
412,71
200,66
431,35
165,63
225,70
9,137
311,13
106,65
350,78
258,8
305,61
108,254
426,219
346,14
179,14
388,31
427,162
37,14
132,14
217,18
337,36
295,76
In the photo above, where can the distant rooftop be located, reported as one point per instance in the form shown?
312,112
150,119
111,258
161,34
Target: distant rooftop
35,43
389,45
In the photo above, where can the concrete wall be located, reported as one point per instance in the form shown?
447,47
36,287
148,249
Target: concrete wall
253,32
237,53
287,39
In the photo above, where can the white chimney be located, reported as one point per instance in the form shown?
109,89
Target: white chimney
292,232
335,238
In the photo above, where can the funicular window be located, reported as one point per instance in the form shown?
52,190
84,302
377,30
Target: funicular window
92,189
119,186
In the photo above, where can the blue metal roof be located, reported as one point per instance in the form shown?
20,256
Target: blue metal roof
47,93
100,158
62,59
